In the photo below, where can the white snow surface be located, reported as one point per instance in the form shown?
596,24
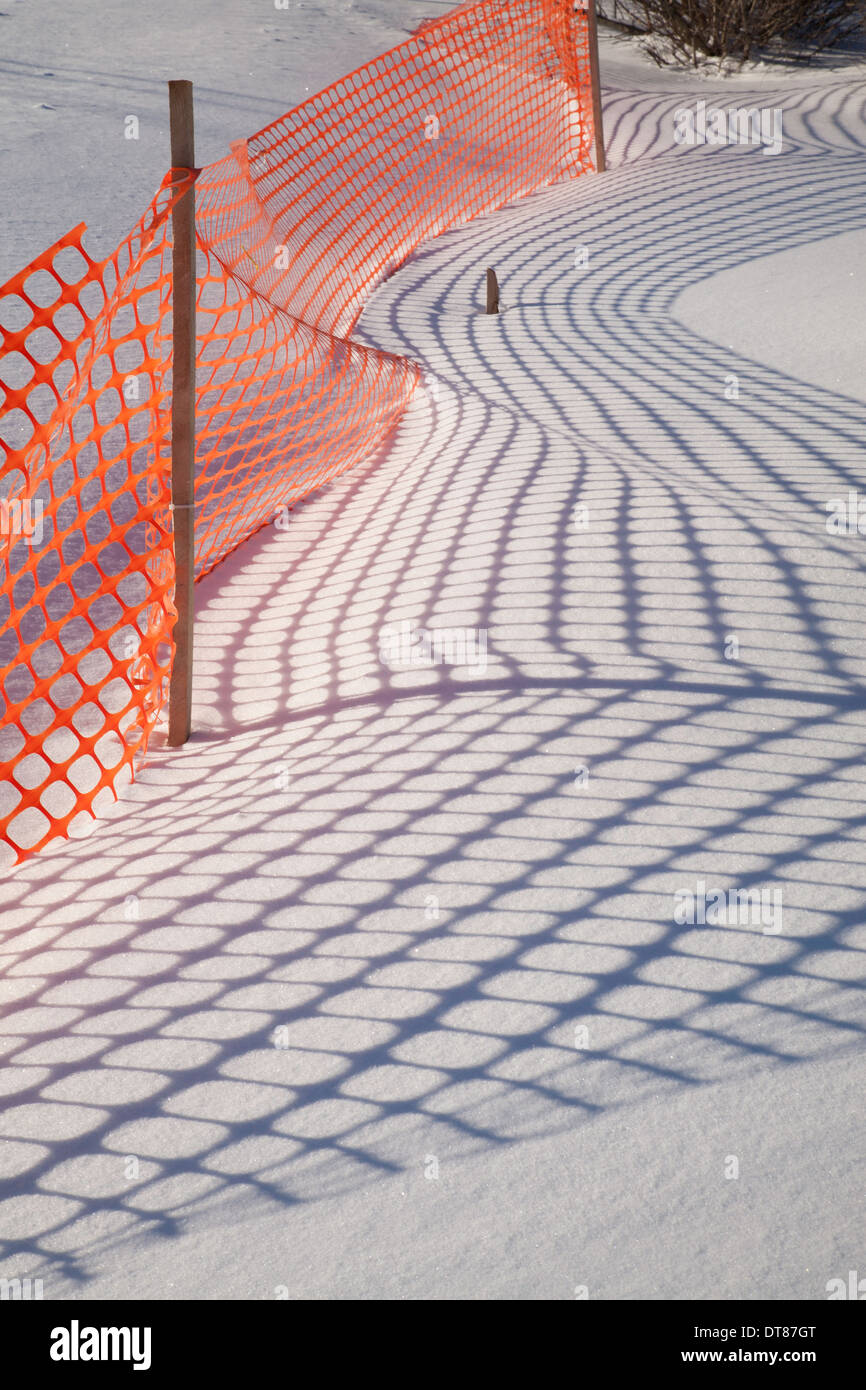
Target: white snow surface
375,990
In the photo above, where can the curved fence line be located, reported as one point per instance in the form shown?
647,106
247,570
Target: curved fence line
295,228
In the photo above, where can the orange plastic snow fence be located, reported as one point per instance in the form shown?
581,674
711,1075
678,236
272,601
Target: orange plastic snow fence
295,228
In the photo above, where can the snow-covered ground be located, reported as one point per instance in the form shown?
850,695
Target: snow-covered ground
376,989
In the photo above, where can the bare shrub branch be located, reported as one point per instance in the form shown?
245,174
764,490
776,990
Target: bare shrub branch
686,31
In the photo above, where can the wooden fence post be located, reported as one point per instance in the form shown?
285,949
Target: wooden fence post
182,412
598,129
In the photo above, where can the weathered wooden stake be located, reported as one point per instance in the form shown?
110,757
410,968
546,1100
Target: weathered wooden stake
492,293
598,128
182,412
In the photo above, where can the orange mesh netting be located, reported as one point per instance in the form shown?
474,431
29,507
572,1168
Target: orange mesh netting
295,228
